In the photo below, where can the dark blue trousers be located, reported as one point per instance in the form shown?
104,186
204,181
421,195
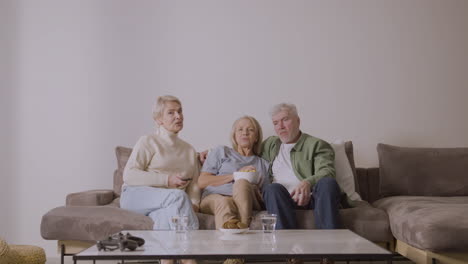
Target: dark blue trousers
325,202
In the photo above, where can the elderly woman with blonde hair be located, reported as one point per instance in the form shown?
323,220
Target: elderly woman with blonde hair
160,178
221,196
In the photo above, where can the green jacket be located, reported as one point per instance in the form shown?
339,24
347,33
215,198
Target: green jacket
311,157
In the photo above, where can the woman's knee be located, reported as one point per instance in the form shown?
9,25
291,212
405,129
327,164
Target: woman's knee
241,183
241,187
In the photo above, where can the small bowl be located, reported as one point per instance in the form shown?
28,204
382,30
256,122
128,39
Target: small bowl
250,176
233,231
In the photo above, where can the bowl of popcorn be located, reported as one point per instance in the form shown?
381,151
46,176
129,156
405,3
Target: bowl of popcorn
250,175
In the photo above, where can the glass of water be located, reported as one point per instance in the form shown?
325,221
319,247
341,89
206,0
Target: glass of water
268,223
179,223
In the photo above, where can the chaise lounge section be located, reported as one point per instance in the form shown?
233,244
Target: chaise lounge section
425,194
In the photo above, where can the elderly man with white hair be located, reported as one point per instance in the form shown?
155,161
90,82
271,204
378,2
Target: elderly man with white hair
303,173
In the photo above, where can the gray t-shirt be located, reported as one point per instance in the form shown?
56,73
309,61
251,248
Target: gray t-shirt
224,160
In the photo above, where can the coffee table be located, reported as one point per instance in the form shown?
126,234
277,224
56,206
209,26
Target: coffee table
338,244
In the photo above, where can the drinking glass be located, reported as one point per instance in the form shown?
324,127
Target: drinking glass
179,223
268,223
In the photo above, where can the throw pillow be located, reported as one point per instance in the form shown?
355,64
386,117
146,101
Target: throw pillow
344,172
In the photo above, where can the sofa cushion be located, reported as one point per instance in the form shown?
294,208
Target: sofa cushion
428,223
345,175
122,154
403,170
206,221
90,223
350,153
369,184
90,198
367,221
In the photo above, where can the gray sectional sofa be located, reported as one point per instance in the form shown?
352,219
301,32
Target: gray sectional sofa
407,207
92,215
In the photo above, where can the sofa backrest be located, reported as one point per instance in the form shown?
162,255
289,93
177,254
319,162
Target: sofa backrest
123,153
350,153
369,182
422,171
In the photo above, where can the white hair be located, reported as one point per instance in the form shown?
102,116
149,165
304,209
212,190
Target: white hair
290,108
158,107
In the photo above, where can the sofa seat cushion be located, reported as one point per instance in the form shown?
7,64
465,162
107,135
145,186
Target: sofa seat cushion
206,221
367,221
428,223
90,223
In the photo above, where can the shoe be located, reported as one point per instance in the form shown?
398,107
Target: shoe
234,261
327,261
295,261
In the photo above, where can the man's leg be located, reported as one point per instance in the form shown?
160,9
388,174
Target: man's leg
222,207
244,197
278,201
326,202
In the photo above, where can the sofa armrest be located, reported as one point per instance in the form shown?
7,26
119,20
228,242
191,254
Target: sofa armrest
90,198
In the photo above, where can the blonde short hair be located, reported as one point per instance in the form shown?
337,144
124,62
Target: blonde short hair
258,129
290,108
158,107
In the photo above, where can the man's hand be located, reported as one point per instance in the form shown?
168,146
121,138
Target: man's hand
301,194
202,156
175,181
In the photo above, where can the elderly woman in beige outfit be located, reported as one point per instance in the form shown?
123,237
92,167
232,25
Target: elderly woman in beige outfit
160,178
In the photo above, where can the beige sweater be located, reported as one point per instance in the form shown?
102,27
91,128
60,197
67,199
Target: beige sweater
156,156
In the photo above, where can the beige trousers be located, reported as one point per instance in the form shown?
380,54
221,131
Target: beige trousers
245,198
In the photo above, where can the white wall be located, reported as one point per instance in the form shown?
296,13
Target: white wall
8,175
80,78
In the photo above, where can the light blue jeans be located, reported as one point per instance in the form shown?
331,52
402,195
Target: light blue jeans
158,203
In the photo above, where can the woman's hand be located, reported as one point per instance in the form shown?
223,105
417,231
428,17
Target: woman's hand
248,168
208,179
175,180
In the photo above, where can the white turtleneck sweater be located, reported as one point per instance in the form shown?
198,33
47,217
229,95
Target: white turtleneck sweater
156,156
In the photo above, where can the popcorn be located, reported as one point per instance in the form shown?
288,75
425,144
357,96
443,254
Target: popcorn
234,224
